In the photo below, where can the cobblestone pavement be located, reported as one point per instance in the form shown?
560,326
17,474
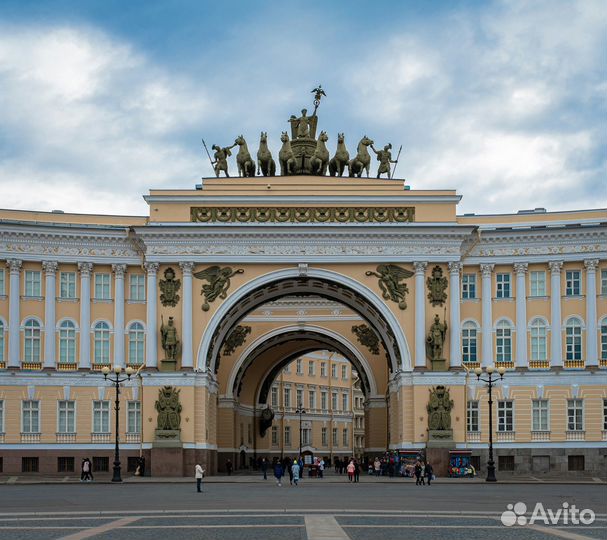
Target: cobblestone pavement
313,510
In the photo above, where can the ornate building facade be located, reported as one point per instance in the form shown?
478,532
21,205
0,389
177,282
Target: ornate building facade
219,288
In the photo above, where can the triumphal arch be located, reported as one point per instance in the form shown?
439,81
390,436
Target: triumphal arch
214,294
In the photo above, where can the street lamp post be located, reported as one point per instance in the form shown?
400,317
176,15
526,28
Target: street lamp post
300,411
116,380
491,381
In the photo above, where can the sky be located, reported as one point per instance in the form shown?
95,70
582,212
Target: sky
504,101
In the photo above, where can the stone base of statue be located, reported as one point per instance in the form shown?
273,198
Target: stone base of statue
440,438
438,365
440,441
167,453
167,437
168,365
303,149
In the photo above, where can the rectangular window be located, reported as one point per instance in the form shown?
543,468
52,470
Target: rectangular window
505,415
503,286
32,283
101,464
344,372
287,436
67,285
311,368
65,464
345,439
312,399
505,463
539,349
335,437
299,393
334,371
323,401
287,368
324,440
573,283
334,401
468,286
287,397
29,464
66,422
133,417
323,369
576,463
102,286
472,416
274,397
274,435
137,287
344,402
30,415
101,416
603,282
539,415
306,436
3,282
575,415
538,283
299,366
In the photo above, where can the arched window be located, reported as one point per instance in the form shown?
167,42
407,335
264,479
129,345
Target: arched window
538,332
136,343
573,335
31,334
1,341
67,342
101,336
503,342
469,342
604,339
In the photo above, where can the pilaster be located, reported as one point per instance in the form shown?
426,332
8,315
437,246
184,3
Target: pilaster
420,314
14,318
487,317
50,270
521,314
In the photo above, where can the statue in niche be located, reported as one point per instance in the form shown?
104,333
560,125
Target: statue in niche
435,340
169,286
439,409
169,409
437,284
169,340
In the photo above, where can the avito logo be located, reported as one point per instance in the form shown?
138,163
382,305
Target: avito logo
567,514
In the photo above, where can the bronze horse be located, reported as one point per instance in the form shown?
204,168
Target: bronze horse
362,160
265,163
340,160
246,165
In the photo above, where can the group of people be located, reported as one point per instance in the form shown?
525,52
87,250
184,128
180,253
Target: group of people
86,470
292,467
423,471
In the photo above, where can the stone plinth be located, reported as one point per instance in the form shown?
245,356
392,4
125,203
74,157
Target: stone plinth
168,365
167,460
438,365
439,459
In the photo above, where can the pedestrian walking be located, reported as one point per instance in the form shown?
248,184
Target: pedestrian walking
264,468
321,468
422,478
198,474
229,467
278,472
356,471
418,472
377,467
295,471
350,469
429,471
86,474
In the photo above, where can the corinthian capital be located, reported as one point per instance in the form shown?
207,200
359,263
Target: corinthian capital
151,268
591,264
555,267
119,270
455,268
486,269
186,267
85,268
14,265
50,267
521,268
420,267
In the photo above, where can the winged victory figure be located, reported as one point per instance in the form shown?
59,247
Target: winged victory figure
390,276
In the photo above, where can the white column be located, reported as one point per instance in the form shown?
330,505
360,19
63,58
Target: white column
50,269
14,322
119,270
487,318
592,357
521,314
454,314
151,349
85,314
420,314
556,339
187,359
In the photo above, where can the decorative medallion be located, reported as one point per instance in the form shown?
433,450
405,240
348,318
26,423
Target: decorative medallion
366,337
390,277
235,339
169,410
437,284
219,283
169,286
